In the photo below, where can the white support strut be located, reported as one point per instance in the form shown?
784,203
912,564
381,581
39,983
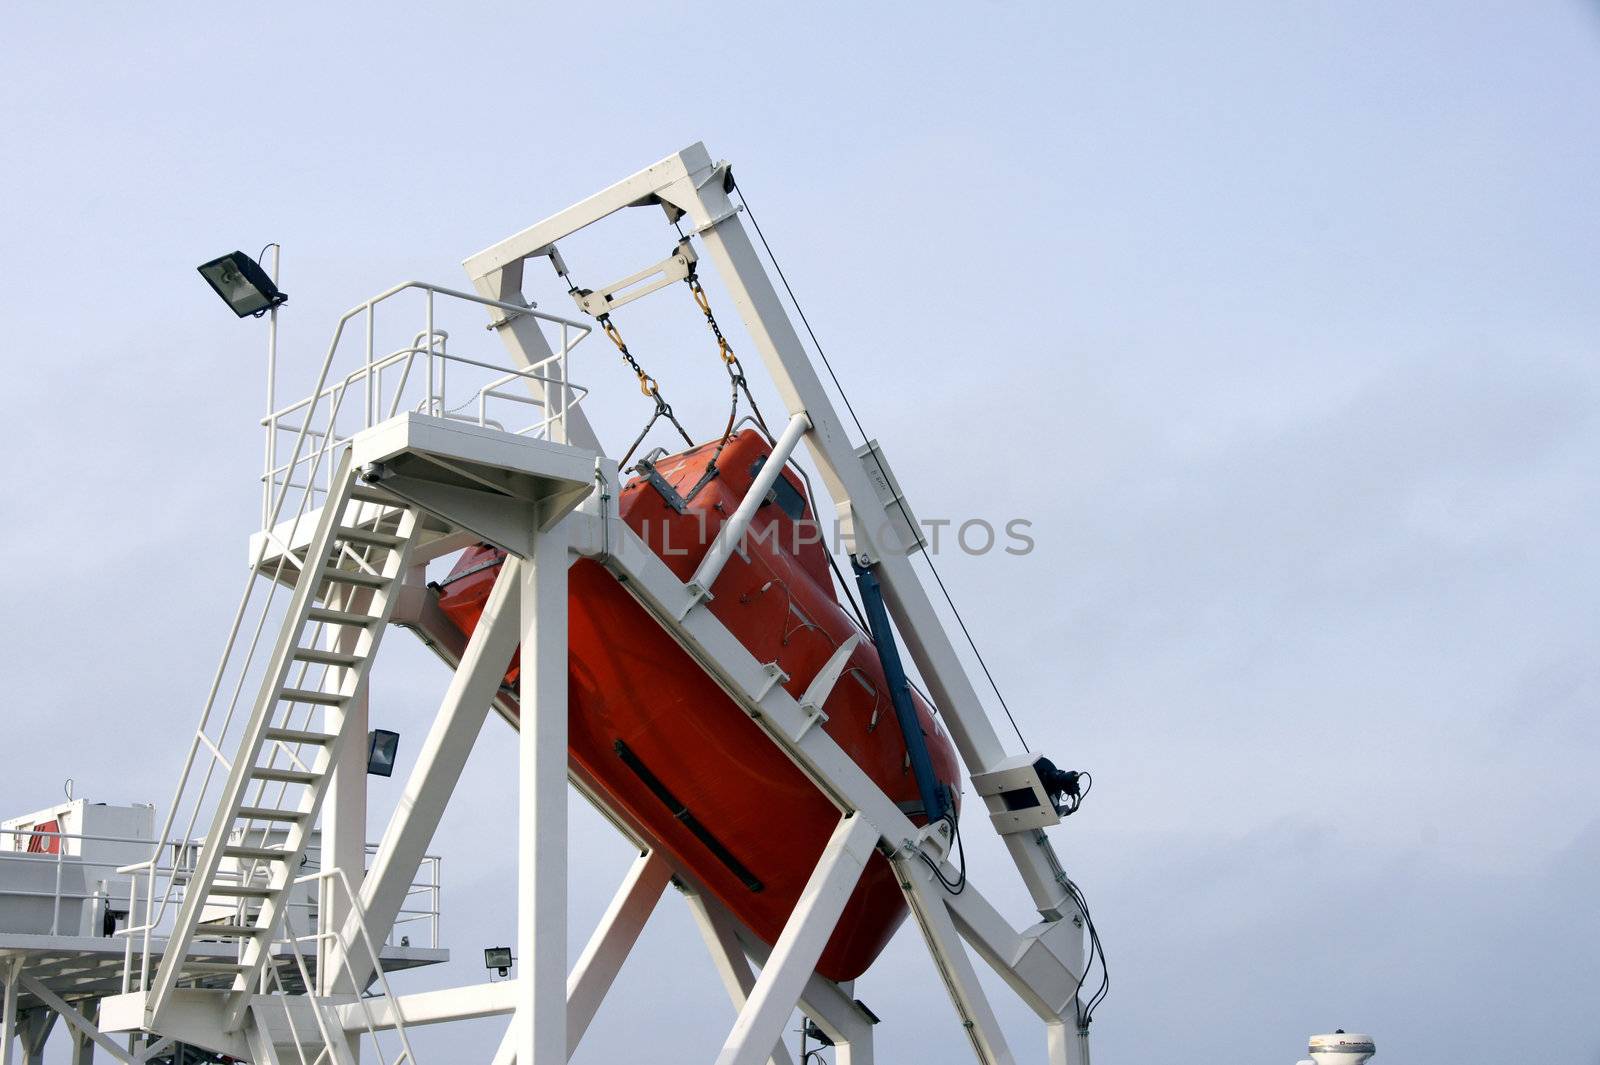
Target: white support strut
441,761
615,936
541,1018
731,536
12,968
728,955
76,1020
777,990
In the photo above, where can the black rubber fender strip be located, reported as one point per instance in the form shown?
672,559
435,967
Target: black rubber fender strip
681,812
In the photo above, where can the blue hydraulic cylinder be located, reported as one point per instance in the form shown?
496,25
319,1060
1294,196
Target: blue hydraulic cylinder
905,710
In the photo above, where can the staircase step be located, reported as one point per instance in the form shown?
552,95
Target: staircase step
306,695
357,535
294,735
265,854
213,968
350,576
263,813
287,776
330,616
326,658
363,494
221,929
240,891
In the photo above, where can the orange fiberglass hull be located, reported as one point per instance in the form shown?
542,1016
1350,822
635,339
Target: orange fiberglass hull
667,745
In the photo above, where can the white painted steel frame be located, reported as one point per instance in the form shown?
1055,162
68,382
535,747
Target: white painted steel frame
692,183
550,1008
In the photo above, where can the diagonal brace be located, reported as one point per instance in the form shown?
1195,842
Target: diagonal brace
777,991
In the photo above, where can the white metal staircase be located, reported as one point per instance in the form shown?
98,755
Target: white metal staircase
242,880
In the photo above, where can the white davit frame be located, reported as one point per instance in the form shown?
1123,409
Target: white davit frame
554,501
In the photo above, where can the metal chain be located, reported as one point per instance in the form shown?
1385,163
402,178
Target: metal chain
647,383
730,361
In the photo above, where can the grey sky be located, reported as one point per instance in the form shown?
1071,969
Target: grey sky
1276,319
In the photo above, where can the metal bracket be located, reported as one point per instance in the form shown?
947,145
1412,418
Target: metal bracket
822,684
674,267
718,220
697,596
1018,801
774,676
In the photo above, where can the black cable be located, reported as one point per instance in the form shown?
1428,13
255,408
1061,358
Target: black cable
959,885
949,601
1096,952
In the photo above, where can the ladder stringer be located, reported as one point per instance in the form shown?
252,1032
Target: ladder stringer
244,876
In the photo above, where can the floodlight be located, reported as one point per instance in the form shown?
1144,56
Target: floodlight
382,746
242,284
498,958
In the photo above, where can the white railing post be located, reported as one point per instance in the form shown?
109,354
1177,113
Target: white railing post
374,394
733,530
429,343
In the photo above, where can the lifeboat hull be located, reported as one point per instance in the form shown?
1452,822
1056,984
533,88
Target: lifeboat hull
661,740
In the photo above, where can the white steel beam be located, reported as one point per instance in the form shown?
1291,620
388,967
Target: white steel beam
12,968
430,1007
613,938
34,1031
524,338
541,1018
76,1020
1043,964
82,1045
719,930
506,1052
150,1050
731,536
830,1005
259,1040
440,763
1066,1043
635,189
777,990
927,901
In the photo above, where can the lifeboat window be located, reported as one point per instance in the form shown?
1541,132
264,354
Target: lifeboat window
786,495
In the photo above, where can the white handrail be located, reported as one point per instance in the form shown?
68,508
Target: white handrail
315,443
426,343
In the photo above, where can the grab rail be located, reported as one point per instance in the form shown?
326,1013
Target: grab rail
317,441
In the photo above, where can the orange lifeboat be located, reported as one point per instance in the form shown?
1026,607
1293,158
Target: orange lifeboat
663,741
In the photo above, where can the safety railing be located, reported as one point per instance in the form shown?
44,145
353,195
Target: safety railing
418,916
52,882
416,926
447,384
325,941
422,375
